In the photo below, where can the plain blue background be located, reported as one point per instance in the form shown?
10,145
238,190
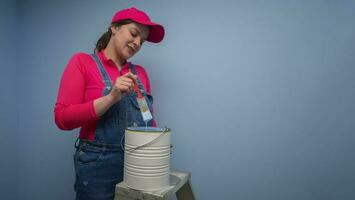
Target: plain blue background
259,94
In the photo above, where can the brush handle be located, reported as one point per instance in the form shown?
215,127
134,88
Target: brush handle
136,88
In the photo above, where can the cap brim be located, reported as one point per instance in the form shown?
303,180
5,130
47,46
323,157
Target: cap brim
156,32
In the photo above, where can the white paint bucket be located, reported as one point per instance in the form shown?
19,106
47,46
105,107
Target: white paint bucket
147,158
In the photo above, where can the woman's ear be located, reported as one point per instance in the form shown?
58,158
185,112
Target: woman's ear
114,29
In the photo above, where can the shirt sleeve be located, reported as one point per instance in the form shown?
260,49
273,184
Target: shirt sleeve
70,109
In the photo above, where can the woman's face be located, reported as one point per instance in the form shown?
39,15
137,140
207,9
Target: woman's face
128,39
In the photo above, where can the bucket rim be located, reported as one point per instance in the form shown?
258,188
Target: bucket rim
144,129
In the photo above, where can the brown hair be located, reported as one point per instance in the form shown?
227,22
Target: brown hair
105,38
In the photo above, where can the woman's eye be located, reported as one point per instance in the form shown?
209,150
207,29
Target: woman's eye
134,34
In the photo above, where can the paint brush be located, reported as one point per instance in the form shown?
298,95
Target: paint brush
142,103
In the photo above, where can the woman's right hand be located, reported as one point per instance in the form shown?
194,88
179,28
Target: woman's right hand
122,86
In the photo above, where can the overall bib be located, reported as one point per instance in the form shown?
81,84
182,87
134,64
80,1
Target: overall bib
99,163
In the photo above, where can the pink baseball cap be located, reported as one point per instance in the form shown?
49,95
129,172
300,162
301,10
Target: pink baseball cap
156,33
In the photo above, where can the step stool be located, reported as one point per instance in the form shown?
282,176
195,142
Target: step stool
179,185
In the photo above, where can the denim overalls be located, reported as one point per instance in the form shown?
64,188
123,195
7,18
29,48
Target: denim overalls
99,163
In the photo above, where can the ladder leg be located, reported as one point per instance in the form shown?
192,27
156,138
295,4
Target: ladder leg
185,192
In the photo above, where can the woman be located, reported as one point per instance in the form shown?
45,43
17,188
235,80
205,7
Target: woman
96,93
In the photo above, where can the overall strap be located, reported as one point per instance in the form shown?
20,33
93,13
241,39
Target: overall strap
106,78
140,85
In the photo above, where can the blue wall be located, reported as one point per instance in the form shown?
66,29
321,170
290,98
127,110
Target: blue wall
8,100
259,94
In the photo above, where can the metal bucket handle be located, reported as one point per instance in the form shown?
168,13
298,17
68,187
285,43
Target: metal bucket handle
143,145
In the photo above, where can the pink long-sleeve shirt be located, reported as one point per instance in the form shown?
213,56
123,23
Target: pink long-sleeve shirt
80,85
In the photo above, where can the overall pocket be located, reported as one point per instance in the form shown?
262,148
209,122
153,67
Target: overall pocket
87,155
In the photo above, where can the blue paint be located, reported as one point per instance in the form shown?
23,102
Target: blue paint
148,129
